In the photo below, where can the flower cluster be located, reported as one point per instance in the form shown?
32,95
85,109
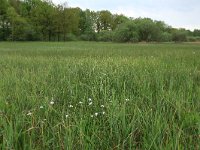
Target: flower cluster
81,104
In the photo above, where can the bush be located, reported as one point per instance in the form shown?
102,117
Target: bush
105,36
179,36
126,32
191,39
88,36
147,29
71,37
134,37
165,37
1,35
198,38
30,34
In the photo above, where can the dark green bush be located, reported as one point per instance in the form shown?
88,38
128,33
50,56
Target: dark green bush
105,36
126,32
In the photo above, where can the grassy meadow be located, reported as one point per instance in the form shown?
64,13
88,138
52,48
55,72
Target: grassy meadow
87,95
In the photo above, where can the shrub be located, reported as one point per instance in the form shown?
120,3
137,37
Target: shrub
191,39
71,37
105,36
179,36
88,36
165,37
126,32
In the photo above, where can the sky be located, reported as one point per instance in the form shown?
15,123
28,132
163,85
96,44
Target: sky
177,13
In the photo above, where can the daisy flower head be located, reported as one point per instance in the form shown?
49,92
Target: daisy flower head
29,113
102,106
71,106
96,114
52,102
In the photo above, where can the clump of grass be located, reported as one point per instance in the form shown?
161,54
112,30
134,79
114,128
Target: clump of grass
99,96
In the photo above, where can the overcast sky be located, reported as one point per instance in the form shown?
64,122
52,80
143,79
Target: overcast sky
177,13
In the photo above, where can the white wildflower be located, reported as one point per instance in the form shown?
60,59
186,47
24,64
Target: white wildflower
52,102
41,107
29,114
71,106
66,116
90,99
96,114
127,100
80,102
92,116
102,106
103,112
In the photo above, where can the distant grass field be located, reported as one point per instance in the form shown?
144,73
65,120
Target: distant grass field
85,95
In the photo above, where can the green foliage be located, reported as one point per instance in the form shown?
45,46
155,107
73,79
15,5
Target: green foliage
87,26
179,36
3,20
71,37
148,30
106,36
45,21
191,39
73,19
165,37
117,20
104,20
88,36
17,25
3,7
196,32
127,32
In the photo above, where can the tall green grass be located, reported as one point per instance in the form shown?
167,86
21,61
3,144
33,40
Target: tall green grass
84,95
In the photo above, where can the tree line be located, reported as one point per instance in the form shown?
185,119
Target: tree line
42,20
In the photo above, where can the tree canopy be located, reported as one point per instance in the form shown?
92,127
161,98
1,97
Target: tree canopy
42,20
